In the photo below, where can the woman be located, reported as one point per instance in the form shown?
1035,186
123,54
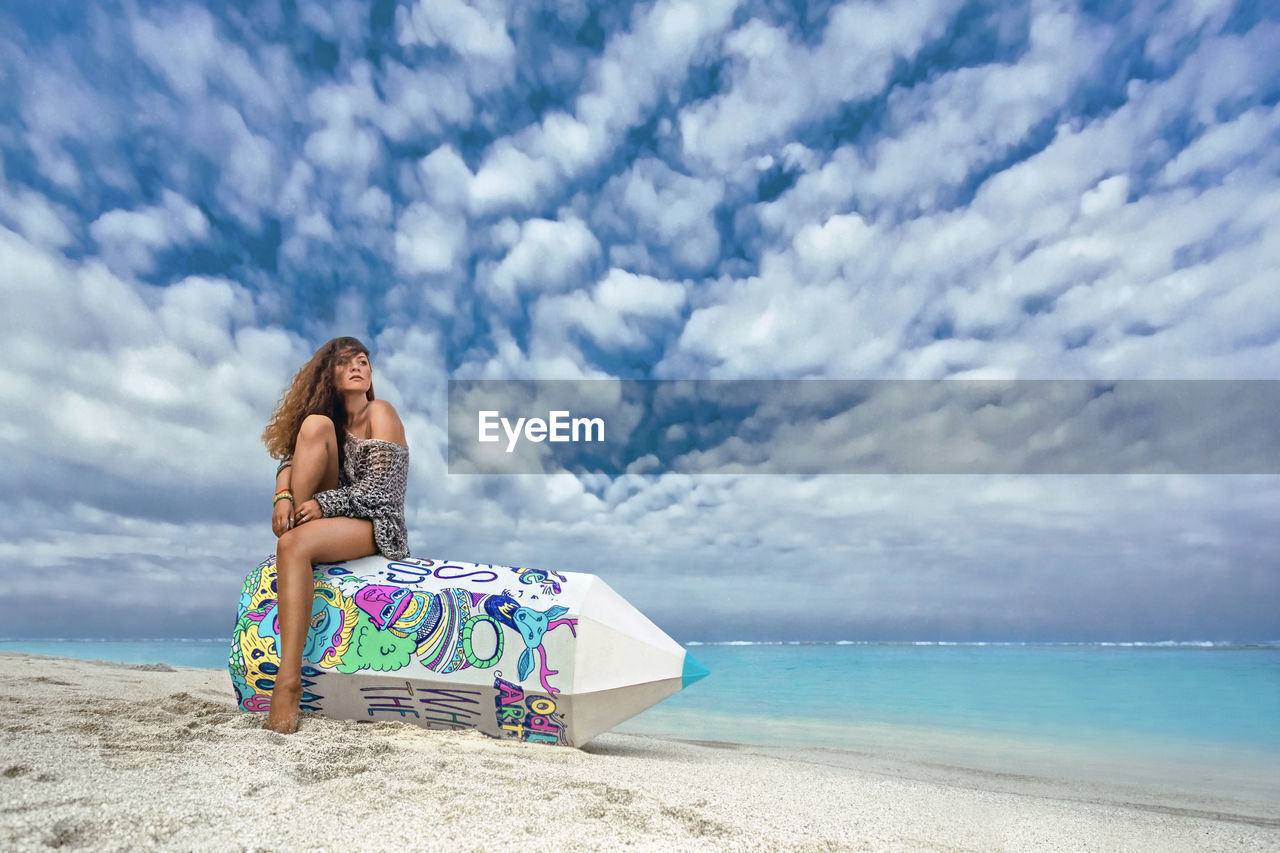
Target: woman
339,493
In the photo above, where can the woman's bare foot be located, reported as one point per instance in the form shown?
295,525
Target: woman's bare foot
283,714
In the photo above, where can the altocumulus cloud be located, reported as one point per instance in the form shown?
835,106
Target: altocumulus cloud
192,197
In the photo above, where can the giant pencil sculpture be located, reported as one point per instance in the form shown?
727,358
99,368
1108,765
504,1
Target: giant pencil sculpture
512,652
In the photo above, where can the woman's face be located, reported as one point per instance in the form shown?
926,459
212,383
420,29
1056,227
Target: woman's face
353,373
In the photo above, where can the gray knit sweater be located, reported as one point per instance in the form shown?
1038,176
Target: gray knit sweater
371,485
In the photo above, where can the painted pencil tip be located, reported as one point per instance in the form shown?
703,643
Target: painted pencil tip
693,671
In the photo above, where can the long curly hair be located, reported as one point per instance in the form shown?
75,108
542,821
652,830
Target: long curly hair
312,392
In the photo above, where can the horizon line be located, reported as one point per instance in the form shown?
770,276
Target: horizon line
1202,643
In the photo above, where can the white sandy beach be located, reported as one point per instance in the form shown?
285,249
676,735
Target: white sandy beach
109,757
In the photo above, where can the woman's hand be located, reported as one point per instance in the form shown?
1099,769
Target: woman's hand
282,517
309,511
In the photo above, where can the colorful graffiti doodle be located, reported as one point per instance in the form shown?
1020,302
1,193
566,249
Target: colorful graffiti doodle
524,716
550,581
443,708
254,657
357,625
532,625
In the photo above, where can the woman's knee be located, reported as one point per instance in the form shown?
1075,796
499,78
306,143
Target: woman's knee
317,428
292,546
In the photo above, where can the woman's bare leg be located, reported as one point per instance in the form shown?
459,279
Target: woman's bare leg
320,541
315,468
315,459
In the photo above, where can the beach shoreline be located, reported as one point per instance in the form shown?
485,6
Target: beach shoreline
100,755
1174,783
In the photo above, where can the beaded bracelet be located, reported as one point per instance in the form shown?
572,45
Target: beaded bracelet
283,496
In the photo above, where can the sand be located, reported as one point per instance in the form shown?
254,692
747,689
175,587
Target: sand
110,757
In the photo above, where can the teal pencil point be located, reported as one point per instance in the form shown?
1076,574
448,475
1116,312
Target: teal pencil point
693,671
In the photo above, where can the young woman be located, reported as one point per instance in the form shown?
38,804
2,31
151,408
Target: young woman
339,493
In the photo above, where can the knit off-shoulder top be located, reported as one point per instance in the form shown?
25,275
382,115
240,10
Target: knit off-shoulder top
371,485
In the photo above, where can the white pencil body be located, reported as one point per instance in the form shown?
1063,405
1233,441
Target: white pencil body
512,652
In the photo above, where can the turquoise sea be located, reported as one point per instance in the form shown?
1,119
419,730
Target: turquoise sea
1199,718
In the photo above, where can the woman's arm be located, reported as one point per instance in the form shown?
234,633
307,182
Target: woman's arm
283,478
382,485
385,424
282,510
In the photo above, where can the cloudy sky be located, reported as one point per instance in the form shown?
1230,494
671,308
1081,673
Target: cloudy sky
193,197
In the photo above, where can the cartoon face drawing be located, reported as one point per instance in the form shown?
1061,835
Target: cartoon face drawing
323,634
383,604
531,624
326,630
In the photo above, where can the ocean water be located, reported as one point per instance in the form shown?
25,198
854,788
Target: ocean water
206,654
1201,718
